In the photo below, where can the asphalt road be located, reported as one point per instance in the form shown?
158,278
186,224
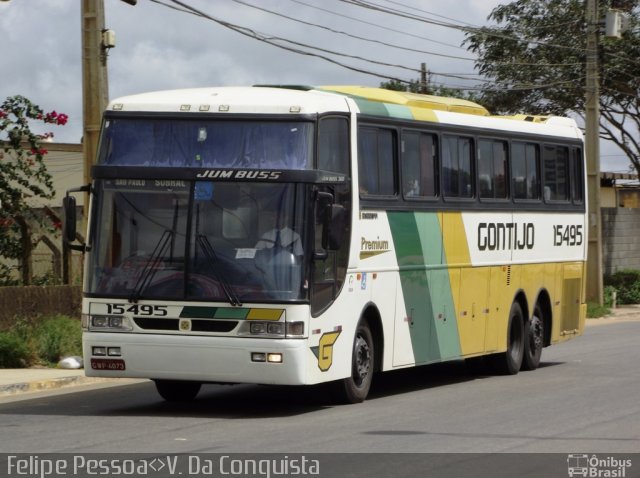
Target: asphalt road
584,398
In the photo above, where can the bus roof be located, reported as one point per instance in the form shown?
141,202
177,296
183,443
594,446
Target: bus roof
404,98
301,99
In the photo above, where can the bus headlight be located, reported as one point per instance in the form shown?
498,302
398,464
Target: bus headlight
295,329
276,329
109,323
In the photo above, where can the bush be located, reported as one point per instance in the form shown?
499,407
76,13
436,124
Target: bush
43,341
14,351
595,311
627,285
608,295
57,337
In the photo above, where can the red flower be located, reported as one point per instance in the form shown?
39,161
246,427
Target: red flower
59,119
3,114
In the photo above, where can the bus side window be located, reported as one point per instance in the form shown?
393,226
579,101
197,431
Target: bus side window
492,169
418,164
457,167
333,145
556,173
578,175
525,167
376,161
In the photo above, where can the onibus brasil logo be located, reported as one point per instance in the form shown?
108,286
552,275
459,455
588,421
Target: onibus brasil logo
597,467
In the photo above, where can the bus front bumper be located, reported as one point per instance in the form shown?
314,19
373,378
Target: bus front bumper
196,358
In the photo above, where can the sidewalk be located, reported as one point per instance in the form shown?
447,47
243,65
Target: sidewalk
25,380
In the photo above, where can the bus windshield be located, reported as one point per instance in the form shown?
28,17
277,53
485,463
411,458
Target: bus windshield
183,240
207,143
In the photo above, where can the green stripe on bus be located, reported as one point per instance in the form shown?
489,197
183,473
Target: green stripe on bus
417,240
371,107
195,312
399,111
231,313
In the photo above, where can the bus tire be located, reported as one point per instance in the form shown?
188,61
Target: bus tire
354,389
177,390
509,362
533,340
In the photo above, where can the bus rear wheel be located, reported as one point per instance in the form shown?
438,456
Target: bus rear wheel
509,362
533,340
354,389
177,390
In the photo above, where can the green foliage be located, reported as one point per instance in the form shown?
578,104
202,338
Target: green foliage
6,278
608,295
535,61
43,341
414,87
627,285
14,351
57,337
48,278
595,311
23,173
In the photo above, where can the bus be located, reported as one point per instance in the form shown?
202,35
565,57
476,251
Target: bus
297,235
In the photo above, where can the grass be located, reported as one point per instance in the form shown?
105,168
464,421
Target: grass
595,310
41,342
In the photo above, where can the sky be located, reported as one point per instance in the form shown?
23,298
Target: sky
159,48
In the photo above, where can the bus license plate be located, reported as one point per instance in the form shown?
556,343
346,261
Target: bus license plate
107,364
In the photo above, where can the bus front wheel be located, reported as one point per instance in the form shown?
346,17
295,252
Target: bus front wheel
177,390
509,362
356,387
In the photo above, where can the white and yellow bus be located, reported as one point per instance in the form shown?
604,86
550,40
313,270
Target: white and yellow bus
298,235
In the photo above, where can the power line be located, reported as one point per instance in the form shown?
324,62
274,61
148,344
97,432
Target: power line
359,20
357,37
273,41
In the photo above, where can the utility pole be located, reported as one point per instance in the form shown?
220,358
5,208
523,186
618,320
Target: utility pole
95,89
423,79
592,145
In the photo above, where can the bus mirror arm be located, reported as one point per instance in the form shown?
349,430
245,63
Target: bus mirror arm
70,219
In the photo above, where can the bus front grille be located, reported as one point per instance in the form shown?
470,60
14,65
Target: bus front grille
197,325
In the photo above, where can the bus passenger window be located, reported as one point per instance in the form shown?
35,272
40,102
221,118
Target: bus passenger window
376,161
525,167
578,175
457,174
418,164
556,173
492,169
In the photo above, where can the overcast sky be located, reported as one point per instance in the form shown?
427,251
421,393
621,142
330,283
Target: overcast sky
161,48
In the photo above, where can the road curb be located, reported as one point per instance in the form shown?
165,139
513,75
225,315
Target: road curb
50,384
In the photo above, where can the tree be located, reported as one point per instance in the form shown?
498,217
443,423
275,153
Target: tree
436,90
23,175
535,59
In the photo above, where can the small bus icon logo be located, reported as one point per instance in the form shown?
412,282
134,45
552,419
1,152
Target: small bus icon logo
578,465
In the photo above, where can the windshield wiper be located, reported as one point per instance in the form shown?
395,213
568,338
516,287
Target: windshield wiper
208,250
151,267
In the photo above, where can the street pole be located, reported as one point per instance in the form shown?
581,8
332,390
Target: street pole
95,90
594,288
424,79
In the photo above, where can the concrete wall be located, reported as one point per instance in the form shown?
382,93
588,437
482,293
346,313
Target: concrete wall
620,239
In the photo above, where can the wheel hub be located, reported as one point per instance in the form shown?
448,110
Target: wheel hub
362,358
